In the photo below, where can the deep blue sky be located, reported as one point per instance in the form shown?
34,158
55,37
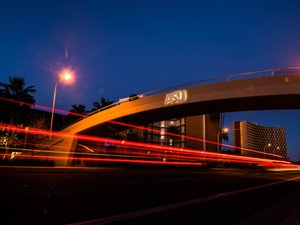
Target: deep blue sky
123,47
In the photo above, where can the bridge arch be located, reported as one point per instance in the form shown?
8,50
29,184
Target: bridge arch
258,93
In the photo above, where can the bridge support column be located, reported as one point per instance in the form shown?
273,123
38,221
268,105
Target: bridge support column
62,152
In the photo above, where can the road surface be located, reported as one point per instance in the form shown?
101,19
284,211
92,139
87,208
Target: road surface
36,195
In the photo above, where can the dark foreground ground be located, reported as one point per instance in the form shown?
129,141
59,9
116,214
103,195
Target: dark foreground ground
148,196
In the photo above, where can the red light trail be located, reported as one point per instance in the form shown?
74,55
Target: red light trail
44,108
195,139
144,128
110,160
173,153
138,149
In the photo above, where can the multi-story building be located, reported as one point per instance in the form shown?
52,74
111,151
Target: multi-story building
190,133
256,140
200,127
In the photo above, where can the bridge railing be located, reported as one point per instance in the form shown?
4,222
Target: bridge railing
223,78
237,76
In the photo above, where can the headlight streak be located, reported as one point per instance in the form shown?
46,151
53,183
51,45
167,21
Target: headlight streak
143,128
165,153
195,139
41,107
111,160
191,155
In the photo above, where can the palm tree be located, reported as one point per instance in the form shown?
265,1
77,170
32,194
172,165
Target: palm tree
16,92
103,102
79,109
15,89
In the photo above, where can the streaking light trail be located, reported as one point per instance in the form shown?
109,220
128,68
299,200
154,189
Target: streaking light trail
195,139
150,152
144,128
135,150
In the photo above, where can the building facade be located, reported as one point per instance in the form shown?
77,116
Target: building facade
200,127
261,139
190,133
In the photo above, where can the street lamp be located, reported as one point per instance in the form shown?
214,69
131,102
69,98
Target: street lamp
66,76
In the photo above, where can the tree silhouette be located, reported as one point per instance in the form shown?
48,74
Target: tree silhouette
79,109
76,112
16,92
103,103
15,89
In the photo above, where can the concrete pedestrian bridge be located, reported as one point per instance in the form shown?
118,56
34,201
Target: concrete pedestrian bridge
263,90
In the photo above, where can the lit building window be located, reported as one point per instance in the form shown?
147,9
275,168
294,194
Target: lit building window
162,130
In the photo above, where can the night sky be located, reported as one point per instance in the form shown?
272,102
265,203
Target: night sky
122,47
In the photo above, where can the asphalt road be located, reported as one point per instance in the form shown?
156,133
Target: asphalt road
147,196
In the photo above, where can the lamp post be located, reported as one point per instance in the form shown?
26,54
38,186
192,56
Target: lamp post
66,75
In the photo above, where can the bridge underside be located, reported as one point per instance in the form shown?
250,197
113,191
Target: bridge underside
280,102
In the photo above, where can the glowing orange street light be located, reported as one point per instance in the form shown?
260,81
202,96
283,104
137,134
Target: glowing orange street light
65,76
